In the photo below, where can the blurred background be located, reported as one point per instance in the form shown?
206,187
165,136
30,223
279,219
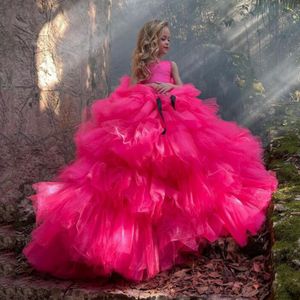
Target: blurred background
245,53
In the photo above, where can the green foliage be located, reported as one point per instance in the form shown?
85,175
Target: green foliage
286,192
288,144
244,68
286,171
284,157
288,283
287,4
288,230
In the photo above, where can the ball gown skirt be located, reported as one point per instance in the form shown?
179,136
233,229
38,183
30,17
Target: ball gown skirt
155,176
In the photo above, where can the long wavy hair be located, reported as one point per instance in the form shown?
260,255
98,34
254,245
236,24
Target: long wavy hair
147,48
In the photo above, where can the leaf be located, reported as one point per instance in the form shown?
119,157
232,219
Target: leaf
210,266
227,273
202,289
214,274
249,291
256,285
267,276
181,273
218,282
216,289
236,287
256,267
238,268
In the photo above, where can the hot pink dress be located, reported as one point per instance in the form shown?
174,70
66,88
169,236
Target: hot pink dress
155,176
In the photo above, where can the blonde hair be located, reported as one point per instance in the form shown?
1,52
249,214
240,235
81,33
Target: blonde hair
147,48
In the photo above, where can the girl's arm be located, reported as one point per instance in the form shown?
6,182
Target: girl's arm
175,74
133,81
165,87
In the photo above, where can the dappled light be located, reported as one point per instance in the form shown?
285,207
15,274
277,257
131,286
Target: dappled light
206,38
67,46
49,67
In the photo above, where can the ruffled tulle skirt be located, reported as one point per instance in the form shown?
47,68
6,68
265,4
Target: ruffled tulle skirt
155,176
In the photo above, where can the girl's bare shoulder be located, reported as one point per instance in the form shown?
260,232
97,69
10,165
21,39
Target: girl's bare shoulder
174,65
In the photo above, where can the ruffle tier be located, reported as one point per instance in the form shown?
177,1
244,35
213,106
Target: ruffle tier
152,180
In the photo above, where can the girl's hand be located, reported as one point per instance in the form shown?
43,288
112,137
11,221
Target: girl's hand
153,85
164,87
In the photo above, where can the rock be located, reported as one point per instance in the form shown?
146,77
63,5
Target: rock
295,213
279,207
296,262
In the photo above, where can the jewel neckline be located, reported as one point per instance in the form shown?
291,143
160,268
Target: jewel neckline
153,63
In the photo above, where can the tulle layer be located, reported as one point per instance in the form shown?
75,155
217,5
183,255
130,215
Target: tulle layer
135,200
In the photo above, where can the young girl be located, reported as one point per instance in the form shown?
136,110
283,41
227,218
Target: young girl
157,174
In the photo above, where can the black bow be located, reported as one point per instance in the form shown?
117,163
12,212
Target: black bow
173,98
159,106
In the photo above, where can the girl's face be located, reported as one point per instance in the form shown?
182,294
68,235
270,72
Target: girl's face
164,41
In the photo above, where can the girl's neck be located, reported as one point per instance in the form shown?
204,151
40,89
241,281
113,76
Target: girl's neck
159,59
153,62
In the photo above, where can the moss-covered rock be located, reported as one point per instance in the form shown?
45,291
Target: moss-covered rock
287,232
286,192
284,158
286,145
286,171
287,283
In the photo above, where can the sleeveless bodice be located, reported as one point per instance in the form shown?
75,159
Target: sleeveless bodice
160,71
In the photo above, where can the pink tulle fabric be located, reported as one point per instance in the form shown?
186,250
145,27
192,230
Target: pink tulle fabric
134,200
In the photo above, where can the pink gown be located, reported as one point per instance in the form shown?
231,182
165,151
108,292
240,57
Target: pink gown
155,176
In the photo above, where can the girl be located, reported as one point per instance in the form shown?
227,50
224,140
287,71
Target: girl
157,174
150,48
